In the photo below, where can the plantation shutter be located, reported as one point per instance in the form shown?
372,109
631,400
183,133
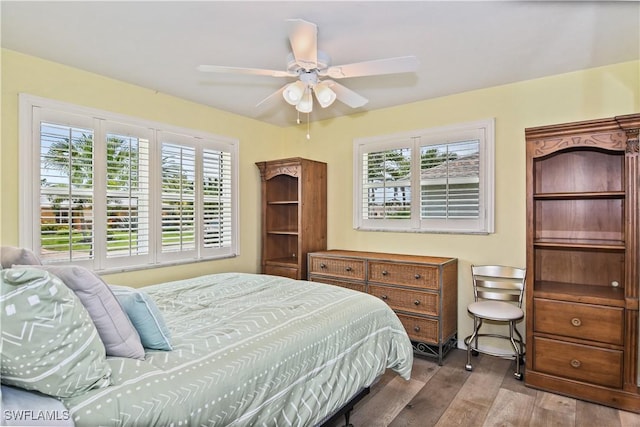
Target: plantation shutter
217,199
128,209
386,184
450,180
66,192
178,197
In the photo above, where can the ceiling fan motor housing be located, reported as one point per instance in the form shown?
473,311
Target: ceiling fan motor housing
323,61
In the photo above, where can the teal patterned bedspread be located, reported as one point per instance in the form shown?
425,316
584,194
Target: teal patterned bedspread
251,350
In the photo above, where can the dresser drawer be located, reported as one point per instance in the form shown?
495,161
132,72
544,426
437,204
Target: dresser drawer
578,362
396,273
337,267
406,300
420,329
343,284
584,321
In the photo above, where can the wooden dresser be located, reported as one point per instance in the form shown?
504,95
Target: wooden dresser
422,290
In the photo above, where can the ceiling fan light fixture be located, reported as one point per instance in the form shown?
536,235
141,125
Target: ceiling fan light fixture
294,92
324,94
306,103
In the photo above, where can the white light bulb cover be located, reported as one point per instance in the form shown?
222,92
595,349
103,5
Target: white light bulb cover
294,92
306,103
324,94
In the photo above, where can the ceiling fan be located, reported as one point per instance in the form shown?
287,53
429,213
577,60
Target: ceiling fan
314,74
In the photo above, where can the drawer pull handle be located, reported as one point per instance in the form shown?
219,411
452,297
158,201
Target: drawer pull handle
416,328
385,272
384,297
576,322
417,302
323,265
417,276
348,269
575,363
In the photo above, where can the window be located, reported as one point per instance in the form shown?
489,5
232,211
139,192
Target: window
113,192
430,180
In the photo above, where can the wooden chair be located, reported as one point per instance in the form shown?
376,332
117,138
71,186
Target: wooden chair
498,292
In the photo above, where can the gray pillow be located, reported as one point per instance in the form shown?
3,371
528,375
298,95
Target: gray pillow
10,255
49,342
119,336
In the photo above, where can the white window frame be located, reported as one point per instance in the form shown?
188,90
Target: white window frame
481,130
32,107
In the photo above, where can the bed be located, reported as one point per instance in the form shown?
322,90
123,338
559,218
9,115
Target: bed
247,350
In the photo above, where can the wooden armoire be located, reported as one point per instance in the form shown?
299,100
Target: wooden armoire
294,214
583,227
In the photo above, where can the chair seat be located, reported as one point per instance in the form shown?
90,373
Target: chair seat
495,310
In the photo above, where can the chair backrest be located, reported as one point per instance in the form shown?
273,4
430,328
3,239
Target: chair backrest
498,282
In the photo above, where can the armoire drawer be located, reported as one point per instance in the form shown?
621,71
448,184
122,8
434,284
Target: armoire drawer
583,321
419,328
406,300
348,268
395,273
578,362
342,283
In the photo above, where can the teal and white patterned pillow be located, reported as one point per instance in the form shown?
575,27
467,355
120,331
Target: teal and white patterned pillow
49,342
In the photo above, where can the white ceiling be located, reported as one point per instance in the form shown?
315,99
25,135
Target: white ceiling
461,46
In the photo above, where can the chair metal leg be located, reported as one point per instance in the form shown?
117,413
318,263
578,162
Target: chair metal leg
475,346
516,349
473,338
522,345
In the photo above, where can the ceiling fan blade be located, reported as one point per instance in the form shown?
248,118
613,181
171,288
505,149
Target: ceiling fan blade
277,95
303,37
240,70
346,95
403,64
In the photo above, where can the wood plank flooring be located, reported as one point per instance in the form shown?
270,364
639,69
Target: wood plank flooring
448,395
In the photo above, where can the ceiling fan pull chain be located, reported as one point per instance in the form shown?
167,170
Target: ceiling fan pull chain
308,133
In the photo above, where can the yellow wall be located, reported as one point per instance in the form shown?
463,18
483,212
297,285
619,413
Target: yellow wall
601,92
258,141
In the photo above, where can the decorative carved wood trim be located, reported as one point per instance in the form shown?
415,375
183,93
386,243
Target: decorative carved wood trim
609,141
290,170
616,133
289,167
631,125
633,143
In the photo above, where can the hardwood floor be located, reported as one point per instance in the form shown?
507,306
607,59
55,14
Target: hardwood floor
448,395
